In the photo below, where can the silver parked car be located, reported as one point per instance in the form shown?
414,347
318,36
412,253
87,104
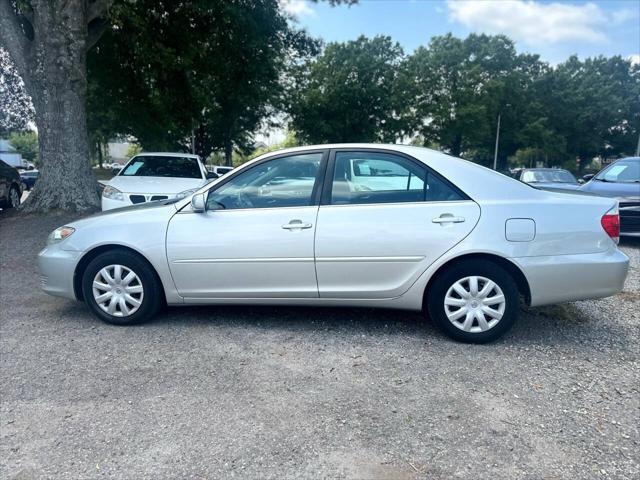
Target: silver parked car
346,225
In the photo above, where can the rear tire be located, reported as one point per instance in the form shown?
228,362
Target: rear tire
474,301
121,288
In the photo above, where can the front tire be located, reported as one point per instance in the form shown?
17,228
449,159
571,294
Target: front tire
474,301
121,288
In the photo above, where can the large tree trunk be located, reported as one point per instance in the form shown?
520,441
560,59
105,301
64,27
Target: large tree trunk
59,82
48,41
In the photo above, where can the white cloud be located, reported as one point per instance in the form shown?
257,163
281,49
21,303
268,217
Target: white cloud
537,23
635,59
297,8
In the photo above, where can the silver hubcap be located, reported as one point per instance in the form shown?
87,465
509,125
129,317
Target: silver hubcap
15,198
474,304
118,290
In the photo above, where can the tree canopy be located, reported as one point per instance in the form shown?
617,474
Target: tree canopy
348,94
208,72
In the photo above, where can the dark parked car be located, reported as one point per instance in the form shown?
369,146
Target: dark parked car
621,179
29,178
548,178
10,186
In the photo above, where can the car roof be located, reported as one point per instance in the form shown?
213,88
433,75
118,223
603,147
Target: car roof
166,154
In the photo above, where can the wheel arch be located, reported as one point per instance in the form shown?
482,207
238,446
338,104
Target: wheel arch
93,253
511,268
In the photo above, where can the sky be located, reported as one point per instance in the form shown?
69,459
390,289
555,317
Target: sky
554,29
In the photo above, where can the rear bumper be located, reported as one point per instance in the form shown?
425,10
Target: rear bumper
57,268
566,278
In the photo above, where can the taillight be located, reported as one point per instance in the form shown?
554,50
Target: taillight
611,223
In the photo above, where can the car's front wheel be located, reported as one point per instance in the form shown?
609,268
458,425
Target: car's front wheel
474,301
121,288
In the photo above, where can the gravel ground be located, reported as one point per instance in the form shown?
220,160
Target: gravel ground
310,393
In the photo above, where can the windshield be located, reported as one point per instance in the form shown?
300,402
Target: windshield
548,176
623,171
162,166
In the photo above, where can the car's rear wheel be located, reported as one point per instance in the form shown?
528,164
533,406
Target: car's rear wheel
475,301
121,288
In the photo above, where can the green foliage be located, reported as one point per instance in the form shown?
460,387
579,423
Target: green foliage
210,69
16,109
458,87
26,143
348,94
290,140
593,106
133,150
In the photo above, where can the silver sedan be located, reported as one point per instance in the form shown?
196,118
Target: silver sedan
347,225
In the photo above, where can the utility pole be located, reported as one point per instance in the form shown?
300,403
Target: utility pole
495,153
638,147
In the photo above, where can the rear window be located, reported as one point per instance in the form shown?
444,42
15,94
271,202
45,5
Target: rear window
162,166
548,176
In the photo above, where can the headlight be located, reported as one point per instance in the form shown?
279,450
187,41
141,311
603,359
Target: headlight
112,193
60,234
186,193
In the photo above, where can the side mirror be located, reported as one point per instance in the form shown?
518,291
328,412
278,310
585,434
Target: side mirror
198,204
212,175
588,177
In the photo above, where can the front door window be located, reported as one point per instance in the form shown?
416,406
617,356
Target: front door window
281,182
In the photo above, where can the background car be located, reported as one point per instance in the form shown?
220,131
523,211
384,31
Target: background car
150,177
621,180
415,230
115,168
220,170
548,178
10,186
29,178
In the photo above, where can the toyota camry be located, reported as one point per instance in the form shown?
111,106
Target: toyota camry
346,225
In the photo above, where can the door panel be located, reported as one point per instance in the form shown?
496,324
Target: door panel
243,253
378,251
255,238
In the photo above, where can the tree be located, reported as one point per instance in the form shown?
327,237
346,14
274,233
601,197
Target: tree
348,94
48,42
25,143
209,72
594,105
16,110
459,87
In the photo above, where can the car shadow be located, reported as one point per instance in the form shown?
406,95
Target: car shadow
564,324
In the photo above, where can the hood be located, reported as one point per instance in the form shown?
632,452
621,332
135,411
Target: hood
154,185
612,189
125,214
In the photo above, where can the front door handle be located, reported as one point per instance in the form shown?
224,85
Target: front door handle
447,218
296,225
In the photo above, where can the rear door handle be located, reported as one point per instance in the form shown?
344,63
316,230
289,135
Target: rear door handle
447,218
296,225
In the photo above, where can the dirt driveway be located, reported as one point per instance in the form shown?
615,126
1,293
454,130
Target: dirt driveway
279,393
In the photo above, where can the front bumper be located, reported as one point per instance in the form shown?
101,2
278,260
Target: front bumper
566,278
57,268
